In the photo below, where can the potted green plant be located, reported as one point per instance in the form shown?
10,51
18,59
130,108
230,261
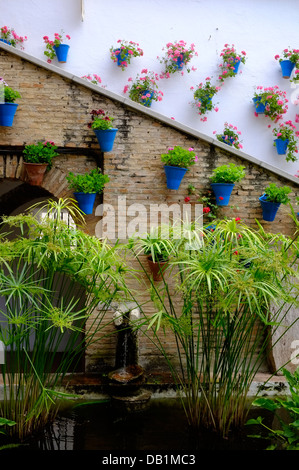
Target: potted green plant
177,55
124,52
56,48
270,101
102,125
176,162
230,136
286,140
231,60
157,246
272,198
86,186
203,96
288,61
94,79
8,107
10,37
223,181
37,160
144,89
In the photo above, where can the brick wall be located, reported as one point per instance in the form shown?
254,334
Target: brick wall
56,107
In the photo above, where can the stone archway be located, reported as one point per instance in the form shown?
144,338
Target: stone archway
14,189
16,193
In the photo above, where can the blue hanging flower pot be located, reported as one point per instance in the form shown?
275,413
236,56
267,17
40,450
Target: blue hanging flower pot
222,192
236,65
7,113
259,107
179,62
6,41
281,146
85,201
269,208
106,138
174,176
121,58
287,68
146,98
227,140
61,52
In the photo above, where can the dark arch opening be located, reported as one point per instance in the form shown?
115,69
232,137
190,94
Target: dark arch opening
16,193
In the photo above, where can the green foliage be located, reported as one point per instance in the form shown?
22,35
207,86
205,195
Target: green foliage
230,57
157,244
6,422
175,51
210,209
228,174
10,95
177,156
203,96
287,131
92,182
144,88
287,437
50,44
124,52
54,278
216,304
229,136
100,120
277,194
42,152
274,99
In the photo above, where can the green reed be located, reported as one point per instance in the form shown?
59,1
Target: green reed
53,278
221,300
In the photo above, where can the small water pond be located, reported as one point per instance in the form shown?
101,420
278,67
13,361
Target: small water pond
161,426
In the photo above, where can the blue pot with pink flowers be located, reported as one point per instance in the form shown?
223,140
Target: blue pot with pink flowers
236,65
179,62
121,57
287,68
227,140
61,52
259,107
6,41
281,145
146,98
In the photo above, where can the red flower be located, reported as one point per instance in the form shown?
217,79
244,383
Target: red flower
206,210
237,219
187,199
235,253
220,198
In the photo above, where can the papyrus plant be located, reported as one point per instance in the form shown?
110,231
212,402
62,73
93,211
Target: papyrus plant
218,311
53,277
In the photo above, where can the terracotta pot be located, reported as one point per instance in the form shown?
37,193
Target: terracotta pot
35,172
156,268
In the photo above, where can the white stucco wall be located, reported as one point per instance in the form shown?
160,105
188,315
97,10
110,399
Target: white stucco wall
263,28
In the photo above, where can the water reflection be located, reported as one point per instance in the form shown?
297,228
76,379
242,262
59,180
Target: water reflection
161,426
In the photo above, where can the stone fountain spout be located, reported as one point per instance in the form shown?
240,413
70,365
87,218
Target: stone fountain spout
128,376
126,356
